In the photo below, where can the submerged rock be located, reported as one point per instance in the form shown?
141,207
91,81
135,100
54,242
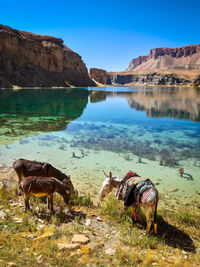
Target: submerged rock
173,190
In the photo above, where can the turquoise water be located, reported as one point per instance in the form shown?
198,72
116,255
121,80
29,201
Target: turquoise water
83,131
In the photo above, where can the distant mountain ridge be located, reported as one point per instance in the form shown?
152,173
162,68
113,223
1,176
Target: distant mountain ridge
186,57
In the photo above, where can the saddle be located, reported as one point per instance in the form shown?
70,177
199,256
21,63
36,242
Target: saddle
132,187
134,190
119,193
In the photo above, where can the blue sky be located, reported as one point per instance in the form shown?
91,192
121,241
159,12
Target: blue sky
108,34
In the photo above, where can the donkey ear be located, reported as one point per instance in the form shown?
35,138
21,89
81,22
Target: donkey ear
110,175
105,174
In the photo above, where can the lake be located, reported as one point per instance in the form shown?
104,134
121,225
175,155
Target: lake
85,131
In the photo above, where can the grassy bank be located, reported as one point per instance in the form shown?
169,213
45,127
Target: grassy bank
37,238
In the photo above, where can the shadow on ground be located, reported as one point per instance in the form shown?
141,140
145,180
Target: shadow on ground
171,235
63,216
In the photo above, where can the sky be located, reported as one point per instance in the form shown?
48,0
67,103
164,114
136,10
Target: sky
108,34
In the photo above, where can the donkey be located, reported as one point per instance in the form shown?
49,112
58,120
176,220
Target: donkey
147,203
25,168
43,186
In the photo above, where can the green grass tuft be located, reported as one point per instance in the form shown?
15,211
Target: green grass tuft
85,200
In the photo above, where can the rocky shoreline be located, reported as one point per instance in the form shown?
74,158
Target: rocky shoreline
151,77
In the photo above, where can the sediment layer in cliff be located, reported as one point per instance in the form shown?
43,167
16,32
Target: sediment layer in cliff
186,57
147,77
32,60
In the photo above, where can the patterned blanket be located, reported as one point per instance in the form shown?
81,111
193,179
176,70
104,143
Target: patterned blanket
135,189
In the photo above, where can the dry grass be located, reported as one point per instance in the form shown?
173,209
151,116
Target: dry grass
23,244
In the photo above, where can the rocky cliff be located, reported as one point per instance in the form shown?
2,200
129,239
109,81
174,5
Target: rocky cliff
151,77
29,60
99,75
186,57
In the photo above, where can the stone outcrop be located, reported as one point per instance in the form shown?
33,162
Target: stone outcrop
196,80
156,77
31,60
99,75
152,78
137,61
186,57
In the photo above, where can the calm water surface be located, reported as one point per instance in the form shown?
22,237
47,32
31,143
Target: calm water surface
84,131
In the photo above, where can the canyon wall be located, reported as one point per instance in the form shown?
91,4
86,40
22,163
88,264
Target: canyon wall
32,60
156,77
151,78
99,75
186,57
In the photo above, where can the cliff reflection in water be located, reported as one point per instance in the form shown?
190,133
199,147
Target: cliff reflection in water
173,102
27,112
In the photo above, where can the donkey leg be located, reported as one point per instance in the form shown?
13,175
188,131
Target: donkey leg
148,218
26,201
154,208
20,176
51,202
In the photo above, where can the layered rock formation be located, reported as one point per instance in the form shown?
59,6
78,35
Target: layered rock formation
186,57
163,66
152,78
99,75
29,60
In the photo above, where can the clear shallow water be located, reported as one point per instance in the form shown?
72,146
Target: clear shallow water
85,131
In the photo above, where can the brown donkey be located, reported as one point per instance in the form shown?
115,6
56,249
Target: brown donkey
43,186
25,168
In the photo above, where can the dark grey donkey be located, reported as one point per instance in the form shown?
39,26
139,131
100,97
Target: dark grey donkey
25,168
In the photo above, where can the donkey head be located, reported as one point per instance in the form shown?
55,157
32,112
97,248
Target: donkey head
108,185
66,190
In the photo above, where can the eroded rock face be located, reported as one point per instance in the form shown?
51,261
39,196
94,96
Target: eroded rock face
98,75
152,78
196,80
186,57
30,60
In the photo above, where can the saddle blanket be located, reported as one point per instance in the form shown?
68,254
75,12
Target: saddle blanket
134,190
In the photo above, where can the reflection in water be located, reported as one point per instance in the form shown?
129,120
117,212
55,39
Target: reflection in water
167,141
114,131
27,112
180,103
173,102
